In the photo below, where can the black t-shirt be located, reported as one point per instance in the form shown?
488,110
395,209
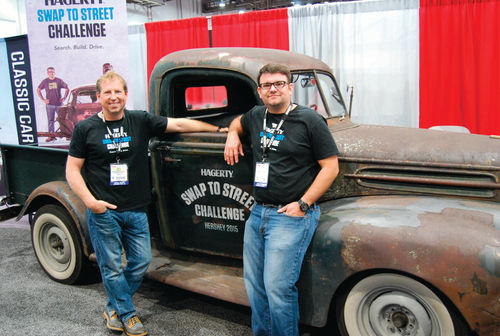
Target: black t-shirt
92,142
302,140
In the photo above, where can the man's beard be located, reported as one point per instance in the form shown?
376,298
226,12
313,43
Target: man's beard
278,106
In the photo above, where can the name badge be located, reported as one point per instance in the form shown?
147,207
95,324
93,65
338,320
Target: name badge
261,174
118,174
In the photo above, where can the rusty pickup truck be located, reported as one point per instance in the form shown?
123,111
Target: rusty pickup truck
409,237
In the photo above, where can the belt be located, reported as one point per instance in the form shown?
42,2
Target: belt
271,205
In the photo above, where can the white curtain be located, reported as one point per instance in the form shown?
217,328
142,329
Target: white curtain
137,83
370,45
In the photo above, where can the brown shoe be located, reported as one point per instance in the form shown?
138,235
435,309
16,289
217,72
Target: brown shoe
49,139
112,321
134,327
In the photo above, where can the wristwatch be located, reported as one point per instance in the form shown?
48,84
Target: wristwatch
303,205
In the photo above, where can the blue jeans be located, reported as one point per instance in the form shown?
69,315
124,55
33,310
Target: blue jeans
51,114
109,233
273,251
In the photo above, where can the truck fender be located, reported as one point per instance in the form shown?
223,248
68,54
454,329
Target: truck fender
59,192
451,244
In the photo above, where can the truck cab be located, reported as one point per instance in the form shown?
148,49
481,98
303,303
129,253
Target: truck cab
206,201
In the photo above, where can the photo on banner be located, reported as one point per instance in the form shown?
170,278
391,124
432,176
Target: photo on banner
71,46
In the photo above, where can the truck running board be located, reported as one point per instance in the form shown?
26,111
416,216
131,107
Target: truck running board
221,279
218,277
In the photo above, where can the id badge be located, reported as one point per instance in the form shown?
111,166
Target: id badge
118,174
261,174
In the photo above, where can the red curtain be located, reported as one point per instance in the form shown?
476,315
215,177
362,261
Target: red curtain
460,64
261,29
164,37
203,97
264,29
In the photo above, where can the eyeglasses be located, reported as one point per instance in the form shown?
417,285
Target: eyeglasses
278,85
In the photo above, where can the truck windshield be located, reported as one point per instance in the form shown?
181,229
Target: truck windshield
85,97
310,87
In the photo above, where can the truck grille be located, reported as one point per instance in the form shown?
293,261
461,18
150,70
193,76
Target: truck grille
428,180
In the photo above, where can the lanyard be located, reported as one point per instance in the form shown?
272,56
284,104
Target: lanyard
117,143
267,144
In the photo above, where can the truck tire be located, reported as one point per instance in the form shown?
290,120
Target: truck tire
393,304
57,244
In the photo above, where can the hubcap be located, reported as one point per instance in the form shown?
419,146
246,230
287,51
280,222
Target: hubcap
55,247
398,313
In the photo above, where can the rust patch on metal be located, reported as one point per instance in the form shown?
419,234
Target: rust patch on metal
479,286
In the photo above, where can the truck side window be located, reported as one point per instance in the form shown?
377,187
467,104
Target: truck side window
212,95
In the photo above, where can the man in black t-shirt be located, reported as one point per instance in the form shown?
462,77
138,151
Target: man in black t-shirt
295,163
111,148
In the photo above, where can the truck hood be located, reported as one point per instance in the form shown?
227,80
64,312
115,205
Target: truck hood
387,160
418,146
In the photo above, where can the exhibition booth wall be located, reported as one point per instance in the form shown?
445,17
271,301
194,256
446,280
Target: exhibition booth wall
410,63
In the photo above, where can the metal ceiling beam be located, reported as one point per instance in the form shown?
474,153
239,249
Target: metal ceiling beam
148,3
229,5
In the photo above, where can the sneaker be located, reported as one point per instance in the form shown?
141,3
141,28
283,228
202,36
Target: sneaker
134,327
112,321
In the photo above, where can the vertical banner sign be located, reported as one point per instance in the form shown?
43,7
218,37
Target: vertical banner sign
8,126
72,43
20,77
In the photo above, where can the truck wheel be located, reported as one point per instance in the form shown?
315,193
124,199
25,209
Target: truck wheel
392,304
57,245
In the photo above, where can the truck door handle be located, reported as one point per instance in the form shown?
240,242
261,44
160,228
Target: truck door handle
154,145
171,159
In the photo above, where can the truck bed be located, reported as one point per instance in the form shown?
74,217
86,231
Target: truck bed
27,167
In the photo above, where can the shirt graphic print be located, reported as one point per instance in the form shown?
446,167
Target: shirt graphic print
118,139
269,134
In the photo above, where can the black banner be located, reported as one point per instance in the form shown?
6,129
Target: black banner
22,92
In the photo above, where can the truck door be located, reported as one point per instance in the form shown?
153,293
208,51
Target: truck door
203,203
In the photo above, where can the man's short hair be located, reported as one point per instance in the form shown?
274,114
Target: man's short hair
110,75
51,68
275,68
